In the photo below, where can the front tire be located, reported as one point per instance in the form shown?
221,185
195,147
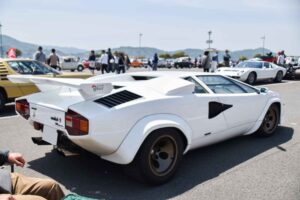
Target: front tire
158,157
251,78
270,122
278,77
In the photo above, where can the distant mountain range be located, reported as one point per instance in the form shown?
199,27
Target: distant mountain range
28,50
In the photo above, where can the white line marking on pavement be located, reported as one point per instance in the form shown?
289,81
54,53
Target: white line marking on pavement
293,123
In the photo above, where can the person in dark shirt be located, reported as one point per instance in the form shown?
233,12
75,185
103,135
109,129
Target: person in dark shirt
92,61
227,58
155,62
111,60
121,63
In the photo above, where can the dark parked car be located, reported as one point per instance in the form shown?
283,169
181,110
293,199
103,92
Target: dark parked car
184,62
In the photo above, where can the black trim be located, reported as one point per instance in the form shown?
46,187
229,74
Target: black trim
215,108
117,98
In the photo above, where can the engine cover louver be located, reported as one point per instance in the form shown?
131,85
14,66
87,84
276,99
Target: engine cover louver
118,98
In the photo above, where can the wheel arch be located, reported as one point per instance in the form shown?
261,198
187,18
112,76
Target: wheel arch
255,73
256,126
145,127
3,91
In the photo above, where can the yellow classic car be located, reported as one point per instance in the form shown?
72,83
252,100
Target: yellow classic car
9,91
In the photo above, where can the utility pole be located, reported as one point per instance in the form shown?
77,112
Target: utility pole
140,42
209,41
263,45
1,45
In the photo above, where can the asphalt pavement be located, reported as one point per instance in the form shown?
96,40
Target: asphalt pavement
243,168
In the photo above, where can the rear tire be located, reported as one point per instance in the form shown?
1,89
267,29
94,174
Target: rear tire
158,157
251,78
80,68
278,77
270,122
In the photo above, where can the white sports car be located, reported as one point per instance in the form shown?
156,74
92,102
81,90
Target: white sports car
252,71
149,119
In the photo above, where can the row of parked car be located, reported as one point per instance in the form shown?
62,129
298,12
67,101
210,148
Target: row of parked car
72,63
249,71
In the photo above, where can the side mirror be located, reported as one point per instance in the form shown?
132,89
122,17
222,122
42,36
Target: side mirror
263,90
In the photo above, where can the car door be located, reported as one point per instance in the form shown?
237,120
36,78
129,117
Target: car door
241,104
268,71
244,110
204,124
66,64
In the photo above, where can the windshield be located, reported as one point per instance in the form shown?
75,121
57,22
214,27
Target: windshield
31,67
249,65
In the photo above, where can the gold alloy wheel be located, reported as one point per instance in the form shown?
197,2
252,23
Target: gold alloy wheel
270,121
163,155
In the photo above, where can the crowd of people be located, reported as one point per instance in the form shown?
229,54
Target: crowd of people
118,62
209,63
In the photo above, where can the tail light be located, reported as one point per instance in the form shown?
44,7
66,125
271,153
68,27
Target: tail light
76,124
22,107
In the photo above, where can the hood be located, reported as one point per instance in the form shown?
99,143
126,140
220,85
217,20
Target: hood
233,69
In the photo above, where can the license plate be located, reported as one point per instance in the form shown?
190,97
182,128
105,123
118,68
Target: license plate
50,135
47,116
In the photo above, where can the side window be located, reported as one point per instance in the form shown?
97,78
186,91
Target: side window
267,65
198,87
247,88
222,85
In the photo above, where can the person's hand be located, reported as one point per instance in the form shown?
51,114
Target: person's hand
6,197
16,158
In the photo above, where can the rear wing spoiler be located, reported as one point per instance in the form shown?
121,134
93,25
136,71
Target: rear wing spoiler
86,88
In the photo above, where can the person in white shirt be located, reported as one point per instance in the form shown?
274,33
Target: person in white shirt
280,59
104,62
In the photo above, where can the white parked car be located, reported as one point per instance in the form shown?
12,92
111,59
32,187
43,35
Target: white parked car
252,71
70,63
148,120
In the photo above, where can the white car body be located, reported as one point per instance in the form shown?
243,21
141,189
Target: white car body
147,120
69,63
116,133
266,71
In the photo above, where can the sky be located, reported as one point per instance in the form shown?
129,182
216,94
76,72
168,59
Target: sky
164,24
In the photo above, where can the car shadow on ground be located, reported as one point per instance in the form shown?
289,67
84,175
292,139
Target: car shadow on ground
8,111
92,177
